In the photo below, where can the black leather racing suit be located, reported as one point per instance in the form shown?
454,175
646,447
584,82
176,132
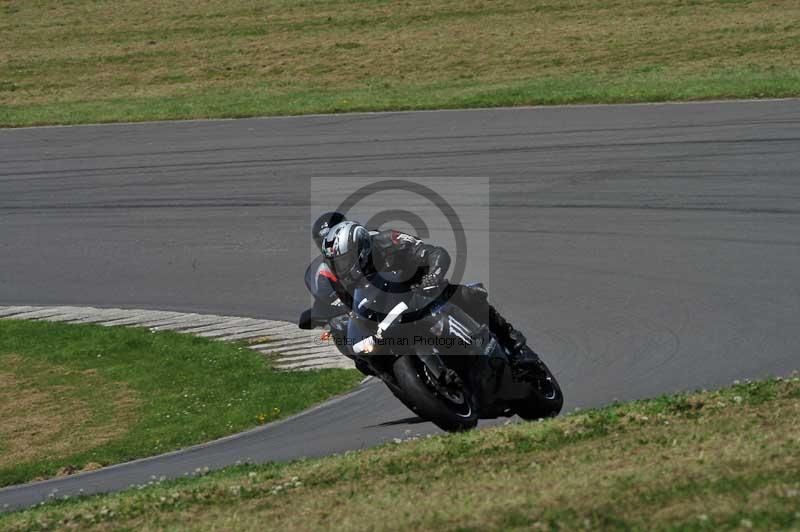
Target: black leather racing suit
426,265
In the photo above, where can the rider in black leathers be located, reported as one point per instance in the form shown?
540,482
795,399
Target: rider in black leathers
351,251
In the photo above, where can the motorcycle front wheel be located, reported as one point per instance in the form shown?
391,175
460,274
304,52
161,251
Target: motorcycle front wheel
545,400
450,409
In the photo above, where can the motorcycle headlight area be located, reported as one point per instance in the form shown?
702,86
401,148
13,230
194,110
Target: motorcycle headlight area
366,346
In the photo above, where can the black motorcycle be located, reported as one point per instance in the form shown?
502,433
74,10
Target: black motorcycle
432,355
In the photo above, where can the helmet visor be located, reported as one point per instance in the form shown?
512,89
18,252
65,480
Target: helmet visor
346,266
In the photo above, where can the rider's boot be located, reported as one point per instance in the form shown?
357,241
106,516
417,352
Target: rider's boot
523,360
474,300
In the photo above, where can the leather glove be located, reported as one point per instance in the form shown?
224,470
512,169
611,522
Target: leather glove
428,284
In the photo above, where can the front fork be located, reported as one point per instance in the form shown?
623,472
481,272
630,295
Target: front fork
434,363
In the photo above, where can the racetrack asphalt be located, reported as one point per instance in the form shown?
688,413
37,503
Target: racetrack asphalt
643,249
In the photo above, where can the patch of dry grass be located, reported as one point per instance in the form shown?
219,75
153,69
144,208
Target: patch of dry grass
712,460
203,58
45,411
74,397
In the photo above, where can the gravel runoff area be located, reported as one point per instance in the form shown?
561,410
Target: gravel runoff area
294,349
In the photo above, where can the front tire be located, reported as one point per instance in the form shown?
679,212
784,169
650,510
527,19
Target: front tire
545,400
446,413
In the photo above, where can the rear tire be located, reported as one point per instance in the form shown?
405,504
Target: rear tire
429,404
546,399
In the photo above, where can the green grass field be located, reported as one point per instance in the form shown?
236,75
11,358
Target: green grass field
76,397
98,61
704,461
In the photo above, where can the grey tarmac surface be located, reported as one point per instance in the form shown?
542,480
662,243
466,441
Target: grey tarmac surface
643,249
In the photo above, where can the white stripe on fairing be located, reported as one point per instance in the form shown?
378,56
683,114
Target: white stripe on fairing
454,322
458,333
459,330
392,316
466,340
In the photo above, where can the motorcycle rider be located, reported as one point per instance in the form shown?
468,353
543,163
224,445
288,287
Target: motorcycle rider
321,277
351,252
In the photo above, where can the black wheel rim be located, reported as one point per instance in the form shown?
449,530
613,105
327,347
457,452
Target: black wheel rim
455,398
547,388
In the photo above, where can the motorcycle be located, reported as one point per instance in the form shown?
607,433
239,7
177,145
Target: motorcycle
436,359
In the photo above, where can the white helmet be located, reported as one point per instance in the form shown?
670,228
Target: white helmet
347,248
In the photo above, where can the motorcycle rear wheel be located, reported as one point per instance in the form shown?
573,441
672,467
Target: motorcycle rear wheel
453,412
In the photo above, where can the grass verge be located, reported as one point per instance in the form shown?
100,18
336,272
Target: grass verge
130,61
74,397
728,459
